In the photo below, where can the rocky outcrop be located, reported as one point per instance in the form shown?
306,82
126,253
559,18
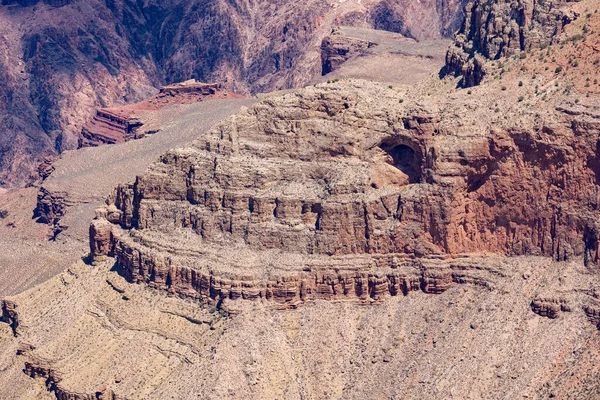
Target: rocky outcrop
550,308
494,28
50,208
109,127
593,314
317,278
274,181
10,315
120,124
46,168
336,49
188,91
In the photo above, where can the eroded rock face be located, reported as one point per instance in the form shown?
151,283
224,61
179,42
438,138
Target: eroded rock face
120,124
10,315
337,49
550,308
495,28
314,178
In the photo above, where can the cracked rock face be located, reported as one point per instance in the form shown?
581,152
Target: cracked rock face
497,28
300,184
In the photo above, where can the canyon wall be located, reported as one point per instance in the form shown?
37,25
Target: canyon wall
57,67
307,180
493,29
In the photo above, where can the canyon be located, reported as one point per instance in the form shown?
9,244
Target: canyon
420,220
61,60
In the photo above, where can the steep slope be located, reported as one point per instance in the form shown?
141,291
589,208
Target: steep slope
89,333
61,59
350,239
493,29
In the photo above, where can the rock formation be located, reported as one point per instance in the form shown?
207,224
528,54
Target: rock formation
10,315
352,239
120,124
110,126
495,28
275,181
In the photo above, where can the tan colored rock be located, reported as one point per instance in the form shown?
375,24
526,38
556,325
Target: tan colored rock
493,29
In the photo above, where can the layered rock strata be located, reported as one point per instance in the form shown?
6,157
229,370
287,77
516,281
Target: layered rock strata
495,28
181,268
120,124
310,180
550,308
109,127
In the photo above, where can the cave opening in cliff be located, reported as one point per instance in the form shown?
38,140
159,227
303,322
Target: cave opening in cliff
405,159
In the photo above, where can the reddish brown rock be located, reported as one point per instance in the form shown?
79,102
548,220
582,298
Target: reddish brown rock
272,179
120,124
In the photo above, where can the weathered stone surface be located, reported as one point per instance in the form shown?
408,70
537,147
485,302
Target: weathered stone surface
10,315
50,208
120,124
328,173
335,197
550,308
496,28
